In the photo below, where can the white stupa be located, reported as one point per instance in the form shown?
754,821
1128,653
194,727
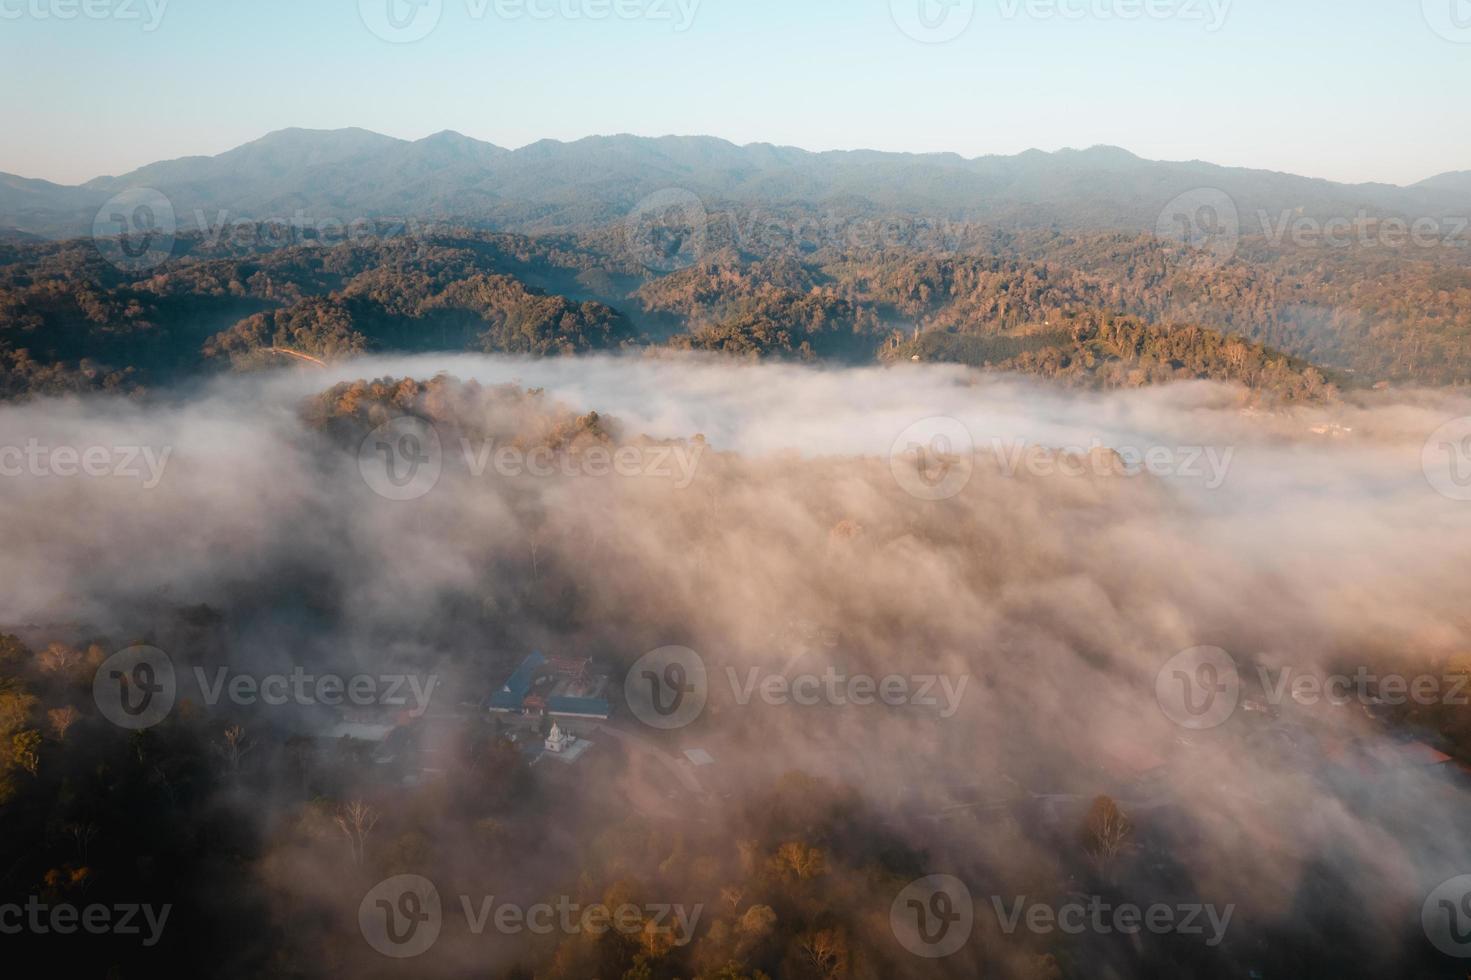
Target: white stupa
559,741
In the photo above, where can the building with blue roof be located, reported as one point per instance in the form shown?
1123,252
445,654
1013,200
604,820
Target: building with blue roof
561,687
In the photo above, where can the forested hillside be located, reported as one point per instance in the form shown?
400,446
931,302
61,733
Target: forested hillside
1108,309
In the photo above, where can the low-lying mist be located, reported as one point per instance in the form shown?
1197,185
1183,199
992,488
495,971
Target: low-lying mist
1027,562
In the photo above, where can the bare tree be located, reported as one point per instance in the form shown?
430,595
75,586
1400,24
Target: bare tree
826,952
800,860
356,820
538,541
235,746
1107,830
732,896
61,720
82,834
58,658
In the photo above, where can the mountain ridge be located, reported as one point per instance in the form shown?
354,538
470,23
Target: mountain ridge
353,173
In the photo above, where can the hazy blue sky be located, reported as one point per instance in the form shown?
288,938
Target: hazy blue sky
1346,89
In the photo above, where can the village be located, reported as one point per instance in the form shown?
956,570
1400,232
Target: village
562,713
559,715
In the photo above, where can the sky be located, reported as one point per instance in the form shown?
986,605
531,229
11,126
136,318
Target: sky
1350,90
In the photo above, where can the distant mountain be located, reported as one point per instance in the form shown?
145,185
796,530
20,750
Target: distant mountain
42,208
12,236
1456,181
352,173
